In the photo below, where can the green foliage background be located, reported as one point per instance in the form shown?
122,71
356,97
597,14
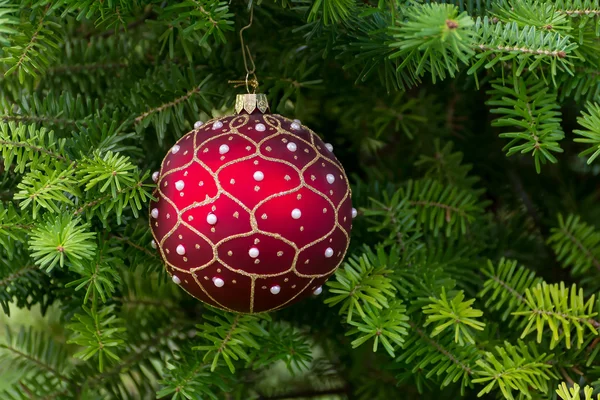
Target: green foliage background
470,130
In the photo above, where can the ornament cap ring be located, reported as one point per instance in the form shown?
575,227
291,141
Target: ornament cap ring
251,103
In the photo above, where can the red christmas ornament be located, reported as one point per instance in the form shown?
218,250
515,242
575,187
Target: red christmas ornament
253,212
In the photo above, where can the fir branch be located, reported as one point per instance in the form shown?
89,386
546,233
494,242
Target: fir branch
36,361
456,314
362,281
135,246
308,394
443,207
137,352
32,147
33,50
591,135
439,348
46,189
562,310
16,275
505,287
165,106
531,109
61,239
576,244
573,392
229,336
32,40
42,119
517,368
67,69
28,147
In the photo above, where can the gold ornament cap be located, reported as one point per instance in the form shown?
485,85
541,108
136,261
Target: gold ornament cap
251,103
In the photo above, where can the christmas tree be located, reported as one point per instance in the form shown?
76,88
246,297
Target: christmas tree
469,131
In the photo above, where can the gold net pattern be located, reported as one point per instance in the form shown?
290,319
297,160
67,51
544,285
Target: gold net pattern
274,129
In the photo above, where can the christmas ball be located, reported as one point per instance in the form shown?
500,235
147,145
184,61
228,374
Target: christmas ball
253,211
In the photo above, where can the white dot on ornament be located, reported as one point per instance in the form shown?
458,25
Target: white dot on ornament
198,124
155,176
218,282
211,219
179,185
328,252
260,127
297,121
175,149
329,146
154,213
180,250
354,212
258,176
291,146
318,291
153,244
295,126
296,213
176,279
253,252
217,125
275,289
223,149
330,178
